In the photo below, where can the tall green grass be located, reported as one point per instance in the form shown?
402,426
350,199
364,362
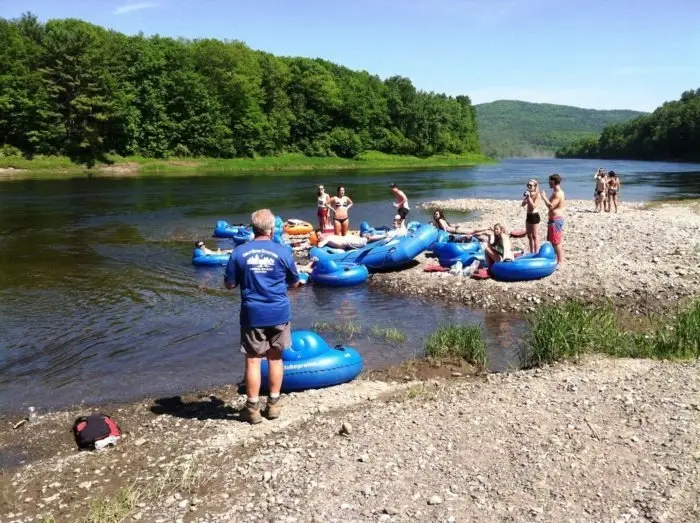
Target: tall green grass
568,330
465,342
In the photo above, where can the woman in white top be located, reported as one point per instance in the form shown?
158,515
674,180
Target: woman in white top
322,209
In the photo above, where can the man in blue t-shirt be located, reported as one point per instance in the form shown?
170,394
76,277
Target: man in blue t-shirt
263,269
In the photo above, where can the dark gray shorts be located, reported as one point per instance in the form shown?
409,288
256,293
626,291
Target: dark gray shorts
256,341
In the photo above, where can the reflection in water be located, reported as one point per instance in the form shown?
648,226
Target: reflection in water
99,300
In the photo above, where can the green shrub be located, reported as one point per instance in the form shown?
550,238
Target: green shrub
464,342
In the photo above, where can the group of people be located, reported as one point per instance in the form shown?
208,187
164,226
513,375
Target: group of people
498,246
264,270
607,190
333,211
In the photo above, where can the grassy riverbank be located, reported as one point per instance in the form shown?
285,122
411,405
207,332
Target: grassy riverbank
59,166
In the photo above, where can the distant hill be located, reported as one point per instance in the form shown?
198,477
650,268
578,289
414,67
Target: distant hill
514,128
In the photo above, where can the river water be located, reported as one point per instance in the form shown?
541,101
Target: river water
99,301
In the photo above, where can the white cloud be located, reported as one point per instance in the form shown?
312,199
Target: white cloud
130,8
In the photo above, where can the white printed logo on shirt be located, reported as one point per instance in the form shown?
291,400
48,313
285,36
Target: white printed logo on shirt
261,260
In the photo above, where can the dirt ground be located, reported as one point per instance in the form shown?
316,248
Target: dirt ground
604,440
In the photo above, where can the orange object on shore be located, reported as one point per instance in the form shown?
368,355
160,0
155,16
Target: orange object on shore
297,227
313,239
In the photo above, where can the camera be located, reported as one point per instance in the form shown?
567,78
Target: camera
525,194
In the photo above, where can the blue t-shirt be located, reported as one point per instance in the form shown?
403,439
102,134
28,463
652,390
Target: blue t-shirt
262,269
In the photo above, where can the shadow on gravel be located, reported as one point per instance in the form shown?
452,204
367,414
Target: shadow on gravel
204,409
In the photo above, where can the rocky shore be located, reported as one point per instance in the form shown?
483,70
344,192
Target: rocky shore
645,258
604,440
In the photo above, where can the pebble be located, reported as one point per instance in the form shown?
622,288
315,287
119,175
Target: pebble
435,500
346,429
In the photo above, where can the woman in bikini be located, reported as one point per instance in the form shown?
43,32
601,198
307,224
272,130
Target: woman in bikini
441,222
613,190
499,249
340,205
322,209
531,199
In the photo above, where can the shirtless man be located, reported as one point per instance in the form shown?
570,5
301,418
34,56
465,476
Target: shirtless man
401,203
557,207
340,242
600,190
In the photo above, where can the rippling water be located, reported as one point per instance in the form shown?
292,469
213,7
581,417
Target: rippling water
99,301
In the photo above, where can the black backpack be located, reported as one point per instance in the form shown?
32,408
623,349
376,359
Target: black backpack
87,430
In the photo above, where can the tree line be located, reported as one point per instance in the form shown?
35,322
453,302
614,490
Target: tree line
671,132
72,88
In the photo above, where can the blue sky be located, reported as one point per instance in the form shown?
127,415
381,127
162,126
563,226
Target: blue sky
614,54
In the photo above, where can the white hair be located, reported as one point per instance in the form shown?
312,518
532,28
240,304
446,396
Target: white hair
263,222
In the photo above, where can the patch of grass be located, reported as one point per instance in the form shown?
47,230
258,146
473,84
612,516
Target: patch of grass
187,477
346,329
389,334
115,509
568,330
47,519
465,342
230,166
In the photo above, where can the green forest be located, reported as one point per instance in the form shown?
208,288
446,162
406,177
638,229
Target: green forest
514,128
74,89
671,132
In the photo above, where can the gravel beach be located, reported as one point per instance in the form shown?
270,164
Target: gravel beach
644,258
603,440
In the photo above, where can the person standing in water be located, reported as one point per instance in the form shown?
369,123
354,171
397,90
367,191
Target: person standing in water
531,199
341,204
401,203
323,210
556,206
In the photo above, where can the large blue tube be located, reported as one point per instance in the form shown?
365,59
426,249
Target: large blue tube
201,259
528,266
311,364
338,274
384,254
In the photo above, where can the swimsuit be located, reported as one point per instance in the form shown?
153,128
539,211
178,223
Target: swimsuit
555,229
532,218
338,204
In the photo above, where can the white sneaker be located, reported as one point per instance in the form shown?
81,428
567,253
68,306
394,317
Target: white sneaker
456,269
471,268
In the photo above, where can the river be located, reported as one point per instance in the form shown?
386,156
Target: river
99,301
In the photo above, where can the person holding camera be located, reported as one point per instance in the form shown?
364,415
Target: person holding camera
531,198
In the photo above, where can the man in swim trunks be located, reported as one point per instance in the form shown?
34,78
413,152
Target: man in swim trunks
557,207
341,242
600,189
401,202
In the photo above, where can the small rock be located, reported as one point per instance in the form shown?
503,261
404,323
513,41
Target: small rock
141,441
267,476
346,429
435,500
456,374
364,458
392,511
183,503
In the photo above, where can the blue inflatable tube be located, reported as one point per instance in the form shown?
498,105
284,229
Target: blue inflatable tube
384,254
449,253
311,364
338,274
200,259
527,267
239,233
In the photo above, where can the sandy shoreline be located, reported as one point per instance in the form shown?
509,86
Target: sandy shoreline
645,258
606,440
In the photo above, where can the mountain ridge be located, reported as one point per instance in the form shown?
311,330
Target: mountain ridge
520,128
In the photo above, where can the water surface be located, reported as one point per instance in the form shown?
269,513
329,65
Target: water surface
99,301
